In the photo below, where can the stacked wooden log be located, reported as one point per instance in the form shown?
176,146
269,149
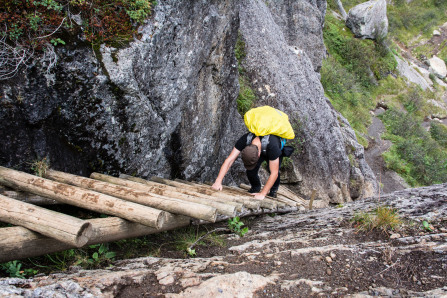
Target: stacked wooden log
138,207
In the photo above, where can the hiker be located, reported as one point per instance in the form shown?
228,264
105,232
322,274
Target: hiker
253,157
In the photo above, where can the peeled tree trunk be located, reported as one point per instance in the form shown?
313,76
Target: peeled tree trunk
19,242
194,210
80,197
225,209
65,228
181,190
246,201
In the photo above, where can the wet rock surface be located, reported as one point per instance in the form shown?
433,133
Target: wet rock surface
303,254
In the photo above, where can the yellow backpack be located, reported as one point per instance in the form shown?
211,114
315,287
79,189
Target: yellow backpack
266,120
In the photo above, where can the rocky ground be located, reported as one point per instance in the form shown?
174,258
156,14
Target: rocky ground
301,254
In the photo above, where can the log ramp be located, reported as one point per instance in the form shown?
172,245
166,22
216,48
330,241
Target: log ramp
136,207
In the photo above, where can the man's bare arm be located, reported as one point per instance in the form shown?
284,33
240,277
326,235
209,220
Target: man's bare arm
224,169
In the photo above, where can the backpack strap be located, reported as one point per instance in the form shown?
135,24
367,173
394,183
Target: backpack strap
283,142
264,142
250,138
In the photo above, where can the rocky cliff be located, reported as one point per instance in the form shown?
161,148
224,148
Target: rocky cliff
166,103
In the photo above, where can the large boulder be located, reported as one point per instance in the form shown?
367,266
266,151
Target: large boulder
368,19
437,67
412,73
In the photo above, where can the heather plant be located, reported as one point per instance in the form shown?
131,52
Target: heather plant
30,26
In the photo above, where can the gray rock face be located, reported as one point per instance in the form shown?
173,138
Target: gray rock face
301,23
412,73
163,106
332,161
166,104
368,19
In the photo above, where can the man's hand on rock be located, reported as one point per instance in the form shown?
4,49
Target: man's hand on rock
217,186
258,196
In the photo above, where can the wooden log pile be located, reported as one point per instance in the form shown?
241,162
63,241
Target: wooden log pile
137,207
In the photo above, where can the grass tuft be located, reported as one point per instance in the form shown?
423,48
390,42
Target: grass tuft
383,218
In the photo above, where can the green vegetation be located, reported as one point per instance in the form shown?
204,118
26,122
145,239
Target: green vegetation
383,219
356,77
415,155
30,26
351,72
89,257
246,98
98,258
438,132
186,239
37,22
408,20
298,128
235,225
40,167
427,226
286,163
14,269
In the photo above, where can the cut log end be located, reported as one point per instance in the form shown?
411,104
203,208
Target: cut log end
161,219
84,234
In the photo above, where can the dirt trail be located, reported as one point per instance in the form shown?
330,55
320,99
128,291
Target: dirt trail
389,181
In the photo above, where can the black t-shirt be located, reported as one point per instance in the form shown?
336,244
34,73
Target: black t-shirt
273,148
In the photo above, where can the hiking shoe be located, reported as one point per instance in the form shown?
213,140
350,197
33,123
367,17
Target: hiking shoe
254,190
272,193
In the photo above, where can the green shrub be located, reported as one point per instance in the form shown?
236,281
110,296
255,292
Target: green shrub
360,57
346,94
32,24
235,225
40,167
407,20
246,97
402,124
414,154
350,73
438,132
14,269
